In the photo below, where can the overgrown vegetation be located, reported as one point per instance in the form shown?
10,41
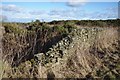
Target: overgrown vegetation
22,41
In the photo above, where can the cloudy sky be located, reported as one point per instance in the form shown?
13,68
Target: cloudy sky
48,11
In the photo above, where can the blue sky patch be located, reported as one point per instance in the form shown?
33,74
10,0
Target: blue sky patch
49,11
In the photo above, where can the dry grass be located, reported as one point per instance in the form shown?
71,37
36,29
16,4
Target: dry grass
82,59
107,41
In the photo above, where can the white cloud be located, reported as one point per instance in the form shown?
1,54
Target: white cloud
74,3
70,13
10,8
39,12
107,13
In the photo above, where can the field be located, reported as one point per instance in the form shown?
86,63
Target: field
62,49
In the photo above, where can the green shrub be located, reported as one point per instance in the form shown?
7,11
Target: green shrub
13,28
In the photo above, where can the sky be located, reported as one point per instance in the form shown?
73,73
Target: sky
49,11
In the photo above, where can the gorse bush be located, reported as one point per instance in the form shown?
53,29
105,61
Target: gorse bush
69,27
13,28
100,23
59,29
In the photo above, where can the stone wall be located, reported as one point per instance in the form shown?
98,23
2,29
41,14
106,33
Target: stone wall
85,37
70,53
83,52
